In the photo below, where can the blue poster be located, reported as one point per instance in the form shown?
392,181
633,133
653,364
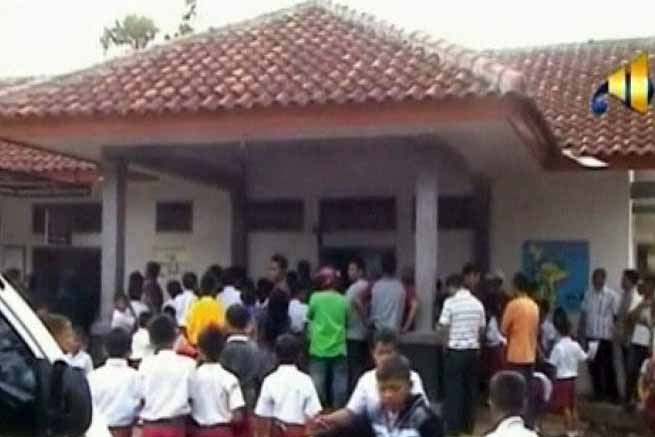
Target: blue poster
560,269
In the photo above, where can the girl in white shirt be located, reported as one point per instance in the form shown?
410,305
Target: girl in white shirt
78,357
123,316
566,357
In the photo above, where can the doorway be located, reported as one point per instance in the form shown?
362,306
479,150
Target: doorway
68,279
339,257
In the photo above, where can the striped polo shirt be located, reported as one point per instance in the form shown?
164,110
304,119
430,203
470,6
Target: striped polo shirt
464,315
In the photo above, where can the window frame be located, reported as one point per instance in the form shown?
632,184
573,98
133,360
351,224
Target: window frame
187,228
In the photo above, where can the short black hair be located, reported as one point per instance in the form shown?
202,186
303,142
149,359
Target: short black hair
135,286
230,276
454,281
287,349
118,343
521,282
208,285
174,288
190,281
264,289
144,319
470,269
162,332
389,264
508,392
210,342
359,263
632,276
238,317
396,367
153,269
248,295
600,271
561,322
281,261
215,270
385,336
170,312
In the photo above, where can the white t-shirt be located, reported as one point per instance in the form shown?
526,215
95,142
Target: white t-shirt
566,357
215,394
298,316
123,320
182,304
366,397
512,427
141,347
229,296
114,391
641,335
289,396
164,381
138,307
81,361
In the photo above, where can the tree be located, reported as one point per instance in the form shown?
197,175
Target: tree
185,27
134,31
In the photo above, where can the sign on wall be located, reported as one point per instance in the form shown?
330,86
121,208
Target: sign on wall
560,269
174,260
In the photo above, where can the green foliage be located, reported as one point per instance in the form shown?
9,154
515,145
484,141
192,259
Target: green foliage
185,27
134,31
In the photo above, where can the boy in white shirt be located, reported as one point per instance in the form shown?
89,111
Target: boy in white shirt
216,400
288,399
298,310
77,356
508,396
164,383
141,346
123,315
566,357
184,301
114,388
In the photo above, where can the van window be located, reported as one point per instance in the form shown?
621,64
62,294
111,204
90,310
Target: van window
17,383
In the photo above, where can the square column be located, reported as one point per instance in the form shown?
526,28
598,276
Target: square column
114,190
427,220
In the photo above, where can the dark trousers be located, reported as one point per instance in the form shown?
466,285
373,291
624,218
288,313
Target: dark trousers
461,390
636,358
358,361
602,372
526,370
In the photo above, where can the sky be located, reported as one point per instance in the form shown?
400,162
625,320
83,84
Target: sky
46,37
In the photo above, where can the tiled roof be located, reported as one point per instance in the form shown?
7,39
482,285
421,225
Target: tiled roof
18,158
313,53
562,80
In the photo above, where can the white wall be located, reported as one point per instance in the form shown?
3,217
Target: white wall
319,172
592,206
208,243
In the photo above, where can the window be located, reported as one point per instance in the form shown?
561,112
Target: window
455,212
17,383
85,218
358,214
275,215
174,217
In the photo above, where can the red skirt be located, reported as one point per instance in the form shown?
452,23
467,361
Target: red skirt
244,429
211,431
164,431
121,431
563,397
285,430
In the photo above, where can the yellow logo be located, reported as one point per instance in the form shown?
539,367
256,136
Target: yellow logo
630,84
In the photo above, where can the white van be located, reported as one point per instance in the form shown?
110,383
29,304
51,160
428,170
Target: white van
26,348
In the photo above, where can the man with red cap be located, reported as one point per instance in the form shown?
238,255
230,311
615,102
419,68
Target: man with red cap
327,315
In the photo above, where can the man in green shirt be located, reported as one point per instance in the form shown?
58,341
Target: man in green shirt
328,315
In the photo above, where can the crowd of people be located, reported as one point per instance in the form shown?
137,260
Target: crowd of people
224,356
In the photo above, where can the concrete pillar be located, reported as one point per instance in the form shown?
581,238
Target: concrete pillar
239,241
113,232
427,195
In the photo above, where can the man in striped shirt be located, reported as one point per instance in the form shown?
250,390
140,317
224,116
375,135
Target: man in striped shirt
464,319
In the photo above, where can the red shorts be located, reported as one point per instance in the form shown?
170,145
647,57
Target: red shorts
283,430
121,431
211,431
164,430
563,397
244,429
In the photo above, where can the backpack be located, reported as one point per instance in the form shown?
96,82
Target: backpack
65,399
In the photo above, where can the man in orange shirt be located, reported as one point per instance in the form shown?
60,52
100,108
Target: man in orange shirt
521,327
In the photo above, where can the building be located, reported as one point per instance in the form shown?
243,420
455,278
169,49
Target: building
319,132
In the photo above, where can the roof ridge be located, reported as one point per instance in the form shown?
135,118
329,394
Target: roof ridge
569,44
501,77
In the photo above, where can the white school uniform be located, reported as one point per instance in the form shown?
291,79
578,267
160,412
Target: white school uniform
289,396
366,397
114,391
566,357
512,427
298,316
164,381
81,361
182,304
229,296
215,394
138,307
141,347
124,320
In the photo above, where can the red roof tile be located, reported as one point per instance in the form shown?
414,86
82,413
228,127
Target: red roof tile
314,53
562,80
17,158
